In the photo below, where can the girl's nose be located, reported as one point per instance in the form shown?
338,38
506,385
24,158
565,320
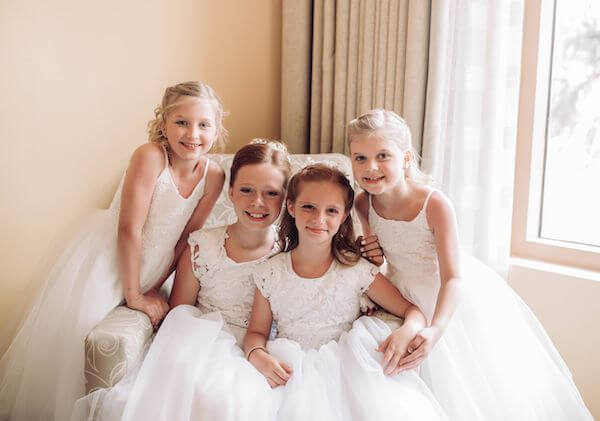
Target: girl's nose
257,200
194,132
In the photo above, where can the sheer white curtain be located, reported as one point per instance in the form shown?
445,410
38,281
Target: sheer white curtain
471,116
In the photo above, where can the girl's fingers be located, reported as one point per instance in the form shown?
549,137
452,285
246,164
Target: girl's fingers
373,253
412,365
415,344
393,364
383,346
411,358
286,367
389,354
281,373
271,383
278,381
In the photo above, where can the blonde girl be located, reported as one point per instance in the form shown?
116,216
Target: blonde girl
123,253
483,353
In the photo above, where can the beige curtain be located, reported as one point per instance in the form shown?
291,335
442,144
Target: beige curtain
342,58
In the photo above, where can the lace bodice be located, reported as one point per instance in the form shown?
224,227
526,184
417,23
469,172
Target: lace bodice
226,286
412,264
168,214
315,311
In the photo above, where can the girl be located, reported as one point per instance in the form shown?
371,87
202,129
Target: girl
194,367
312,292
488,358
168,190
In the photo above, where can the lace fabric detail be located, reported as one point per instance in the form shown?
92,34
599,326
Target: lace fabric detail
225,285
313,312
167,217
412,264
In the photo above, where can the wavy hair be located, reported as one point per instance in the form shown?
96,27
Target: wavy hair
343,245
173,97
390,126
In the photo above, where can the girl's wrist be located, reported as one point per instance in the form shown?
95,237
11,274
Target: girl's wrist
253,349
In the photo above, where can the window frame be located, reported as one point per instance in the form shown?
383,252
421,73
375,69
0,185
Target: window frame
538,22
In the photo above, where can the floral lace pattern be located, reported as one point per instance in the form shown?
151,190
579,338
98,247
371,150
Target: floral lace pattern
315,311
411,255
226,286
168,214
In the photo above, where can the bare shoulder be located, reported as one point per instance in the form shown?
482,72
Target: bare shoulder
146,164
361,203
147,157
440,210
215,176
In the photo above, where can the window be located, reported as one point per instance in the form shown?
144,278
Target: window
556,215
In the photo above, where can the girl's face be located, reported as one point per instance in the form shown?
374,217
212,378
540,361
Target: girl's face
377,163
257,195
191,129
318,211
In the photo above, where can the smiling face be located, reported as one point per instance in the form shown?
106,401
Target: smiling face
377,163
318,211
191,129
257,194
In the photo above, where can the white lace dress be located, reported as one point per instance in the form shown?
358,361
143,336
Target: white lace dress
494,361
337,373
43,370
195,368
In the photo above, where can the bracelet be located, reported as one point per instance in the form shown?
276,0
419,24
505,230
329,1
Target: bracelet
254,348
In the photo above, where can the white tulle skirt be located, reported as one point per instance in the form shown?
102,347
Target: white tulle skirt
42,372
194,370
496,362
344,380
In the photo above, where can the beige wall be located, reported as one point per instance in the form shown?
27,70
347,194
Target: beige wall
78,83
566,303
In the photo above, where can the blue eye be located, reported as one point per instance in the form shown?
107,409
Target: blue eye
273,193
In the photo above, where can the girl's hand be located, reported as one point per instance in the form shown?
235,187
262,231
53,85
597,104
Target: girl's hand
367,306
419,348
395,347
151,303
370,249
276,372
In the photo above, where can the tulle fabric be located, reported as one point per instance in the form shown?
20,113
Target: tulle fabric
194,370
344,380
43,370
496,362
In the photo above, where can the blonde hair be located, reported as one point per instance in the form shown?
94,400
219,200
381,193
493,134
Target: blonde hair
391,127
172,98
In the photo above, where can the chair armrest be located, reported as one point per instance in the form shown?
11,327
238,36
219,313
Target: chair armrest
114,346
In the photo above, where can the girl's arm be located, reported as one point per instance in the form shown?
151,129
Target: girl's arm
384,293
368,242
276,372
442,220
146,164
186,286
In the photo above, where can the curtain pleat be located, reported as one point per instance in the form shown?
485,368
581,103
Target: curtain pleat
365,54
